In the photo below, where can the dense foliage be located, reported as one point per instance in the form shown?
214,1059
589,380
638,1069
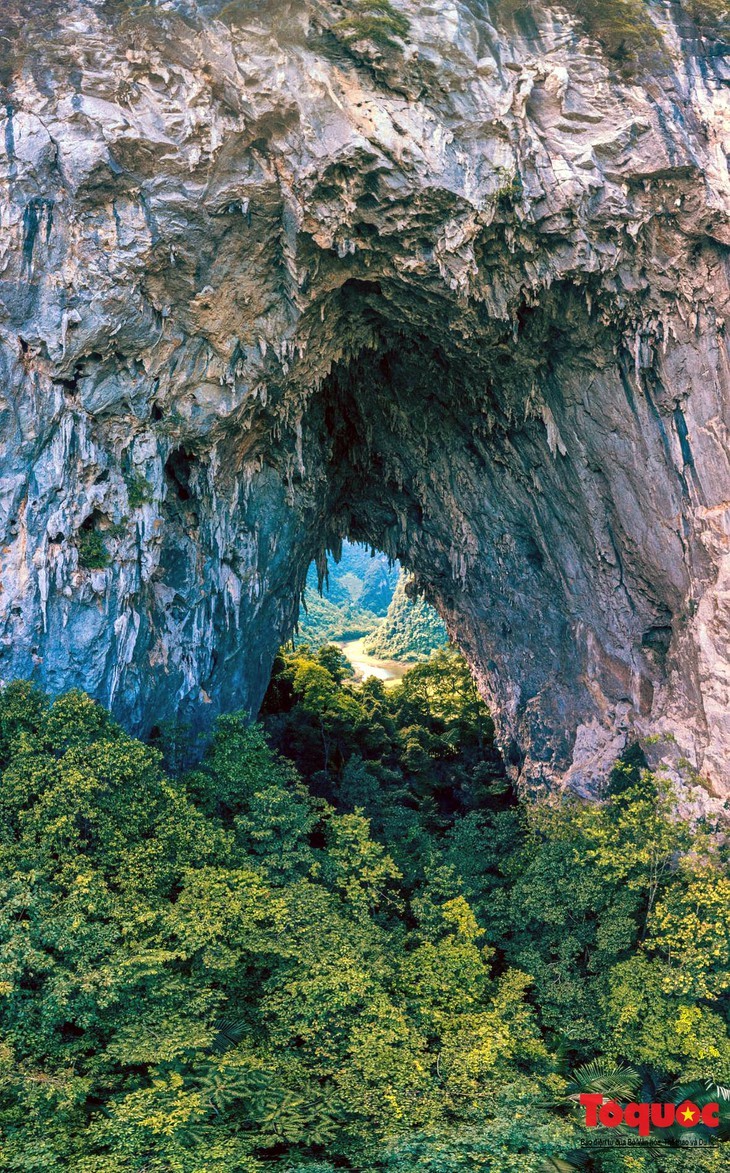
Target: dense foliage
410,757
241,970
325,622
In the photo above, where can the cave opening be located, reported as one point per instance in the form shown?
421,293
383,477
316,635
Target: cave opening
422,441
483,455
367,604
489,456
376,708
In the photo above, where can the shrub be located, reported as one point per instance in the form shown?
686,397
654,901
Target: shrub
373,20
93,554
139,489
709,15
623,27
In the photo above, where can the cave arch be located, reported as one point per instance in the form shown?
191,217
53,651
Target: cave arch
479,455
495,458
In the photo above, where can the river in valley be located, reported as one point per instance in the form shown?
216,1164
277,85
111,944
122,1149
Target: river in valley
389,671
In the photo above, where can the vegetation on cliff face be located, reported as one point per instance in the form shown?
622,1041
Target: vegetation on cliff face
625,28
239,970
372,20
709,14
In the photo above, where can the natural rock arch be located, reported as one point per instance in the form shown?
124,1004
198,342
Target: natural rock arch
463,299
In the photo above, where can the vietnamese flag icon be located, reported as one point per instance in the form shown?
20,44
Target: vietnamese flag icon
688,1114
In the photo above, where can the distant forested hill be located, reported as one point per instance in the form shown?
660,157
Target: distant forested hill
326,622
365,596
411,629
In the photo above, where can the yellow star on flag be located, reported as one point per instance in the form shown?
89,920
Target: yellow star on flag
688,1114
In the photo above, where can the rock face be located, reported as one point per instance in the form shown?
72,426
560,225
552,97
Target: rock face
459,293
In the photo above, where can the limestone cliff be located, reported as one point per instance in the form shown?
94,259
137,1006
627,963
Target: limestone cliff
456,287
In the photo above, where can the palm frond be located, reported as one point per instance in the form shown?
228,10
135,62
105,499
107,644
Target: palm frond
615,1080
700,1091
561,1165
230,1031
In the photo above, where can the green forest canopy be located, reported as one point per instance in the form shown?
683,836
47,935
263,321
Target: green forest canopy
365,955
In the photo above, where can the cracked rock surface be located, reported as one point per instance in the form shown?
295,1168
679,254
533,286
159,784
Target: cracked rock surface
461,295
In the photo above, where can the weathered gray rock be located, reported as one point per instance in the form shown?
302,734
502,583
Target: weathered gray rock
464,299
